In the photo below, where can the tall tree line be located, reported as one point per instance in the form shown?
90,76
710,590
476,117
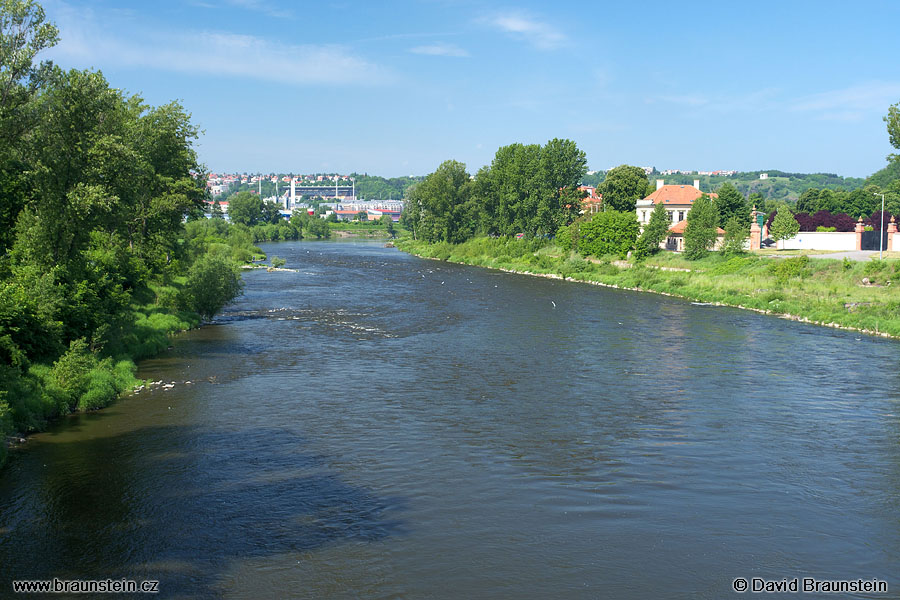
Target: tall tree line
95,187
527,188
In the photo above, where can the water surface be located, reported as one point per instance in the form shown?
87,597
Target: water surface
377,425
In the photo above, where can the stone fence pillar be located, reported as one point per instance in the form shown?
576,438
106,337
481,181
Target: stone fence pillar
755,231
859,231
891,231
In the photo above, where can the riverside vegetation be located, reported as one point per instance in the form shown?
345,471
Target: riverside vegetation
104,251
840,293
523,213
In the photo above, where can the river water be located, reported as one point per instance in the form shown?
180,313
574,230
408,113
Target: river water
377,425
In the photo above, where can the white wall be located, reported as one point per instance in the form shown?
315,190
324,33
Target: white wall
821,240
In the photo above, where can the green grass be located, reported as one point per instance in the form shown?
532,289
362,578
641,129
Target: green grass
824,291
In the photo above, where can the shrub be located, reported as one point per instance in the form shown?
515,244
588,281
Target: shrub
70,372
790,268
212,282
610,232
564,237
277,262
736,233
822,228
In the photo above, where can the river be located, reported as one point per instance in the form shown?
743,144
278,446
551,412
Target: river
378,425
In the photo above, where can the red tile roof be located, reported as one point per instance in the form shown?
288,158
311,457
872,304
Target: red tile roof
680,225
677,194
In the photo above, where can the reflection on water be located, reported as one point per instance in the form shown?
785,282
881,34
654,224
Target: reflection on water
380,425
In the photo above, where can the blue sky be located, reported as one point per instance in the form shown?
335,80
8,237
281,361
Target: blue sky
394,88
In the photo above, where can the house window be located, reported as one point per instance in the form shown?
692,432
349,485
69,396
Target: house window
680,215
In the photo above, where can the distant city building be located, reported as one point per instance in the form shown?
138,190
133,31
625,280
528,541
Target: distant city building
763,175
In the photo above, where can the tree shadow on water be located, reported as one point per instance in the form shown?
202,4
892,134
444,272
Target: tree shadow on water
180,505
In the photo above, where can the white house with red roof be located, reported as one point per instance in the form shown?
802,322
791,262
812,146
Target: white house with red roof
678,200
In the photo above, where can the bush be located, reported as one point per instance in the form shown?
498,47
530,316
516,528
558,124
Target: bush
564,237
70,372
277,262
610,232
212,282
790,268
822,228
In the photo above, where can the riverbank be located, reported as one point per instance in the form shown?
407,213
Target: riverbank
833,293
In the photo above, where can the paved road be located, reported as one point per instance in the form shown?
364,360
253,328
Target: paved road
853,255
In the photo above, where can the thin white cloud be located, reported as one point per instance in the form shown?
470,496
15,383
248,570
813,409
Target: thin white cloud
440,49
851,103
539,34
86,43
268,8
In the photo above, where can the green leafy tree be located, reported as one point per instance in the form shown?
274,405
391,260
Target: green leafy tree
446,212
530,189
731,203
271,212
246,208
212,282
784,225
388,222
623,187
609,232
656,230
736,233
893,126
216,211
701,230
808,201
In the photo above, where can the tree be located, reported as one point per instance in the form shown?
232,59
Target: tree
736,233
893,126
656,230
701,231
623,187
731,203
446,212
362,216
529,189
271,212
212,282
388,222
784,225
216,211
808,201
609,232
246,208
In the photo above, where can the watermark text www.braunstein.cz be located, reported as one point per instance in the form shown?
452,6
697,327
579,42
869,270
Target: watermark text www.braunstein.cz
85,586
808,585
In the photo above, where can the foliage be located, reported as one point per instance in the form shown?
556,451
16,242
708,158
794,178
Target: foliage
790,268
730,203
701,230
610,232
623,187
736,233
246,208
277,262
95,191
893,126
212,282
656,230
529,189
784,225
441,205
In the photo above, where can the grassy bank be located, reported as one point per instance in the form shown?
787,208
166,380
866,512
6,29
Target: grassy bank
837,293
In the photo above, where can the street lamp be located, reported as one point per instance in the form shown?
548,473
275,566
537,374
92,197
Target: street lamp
881,233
